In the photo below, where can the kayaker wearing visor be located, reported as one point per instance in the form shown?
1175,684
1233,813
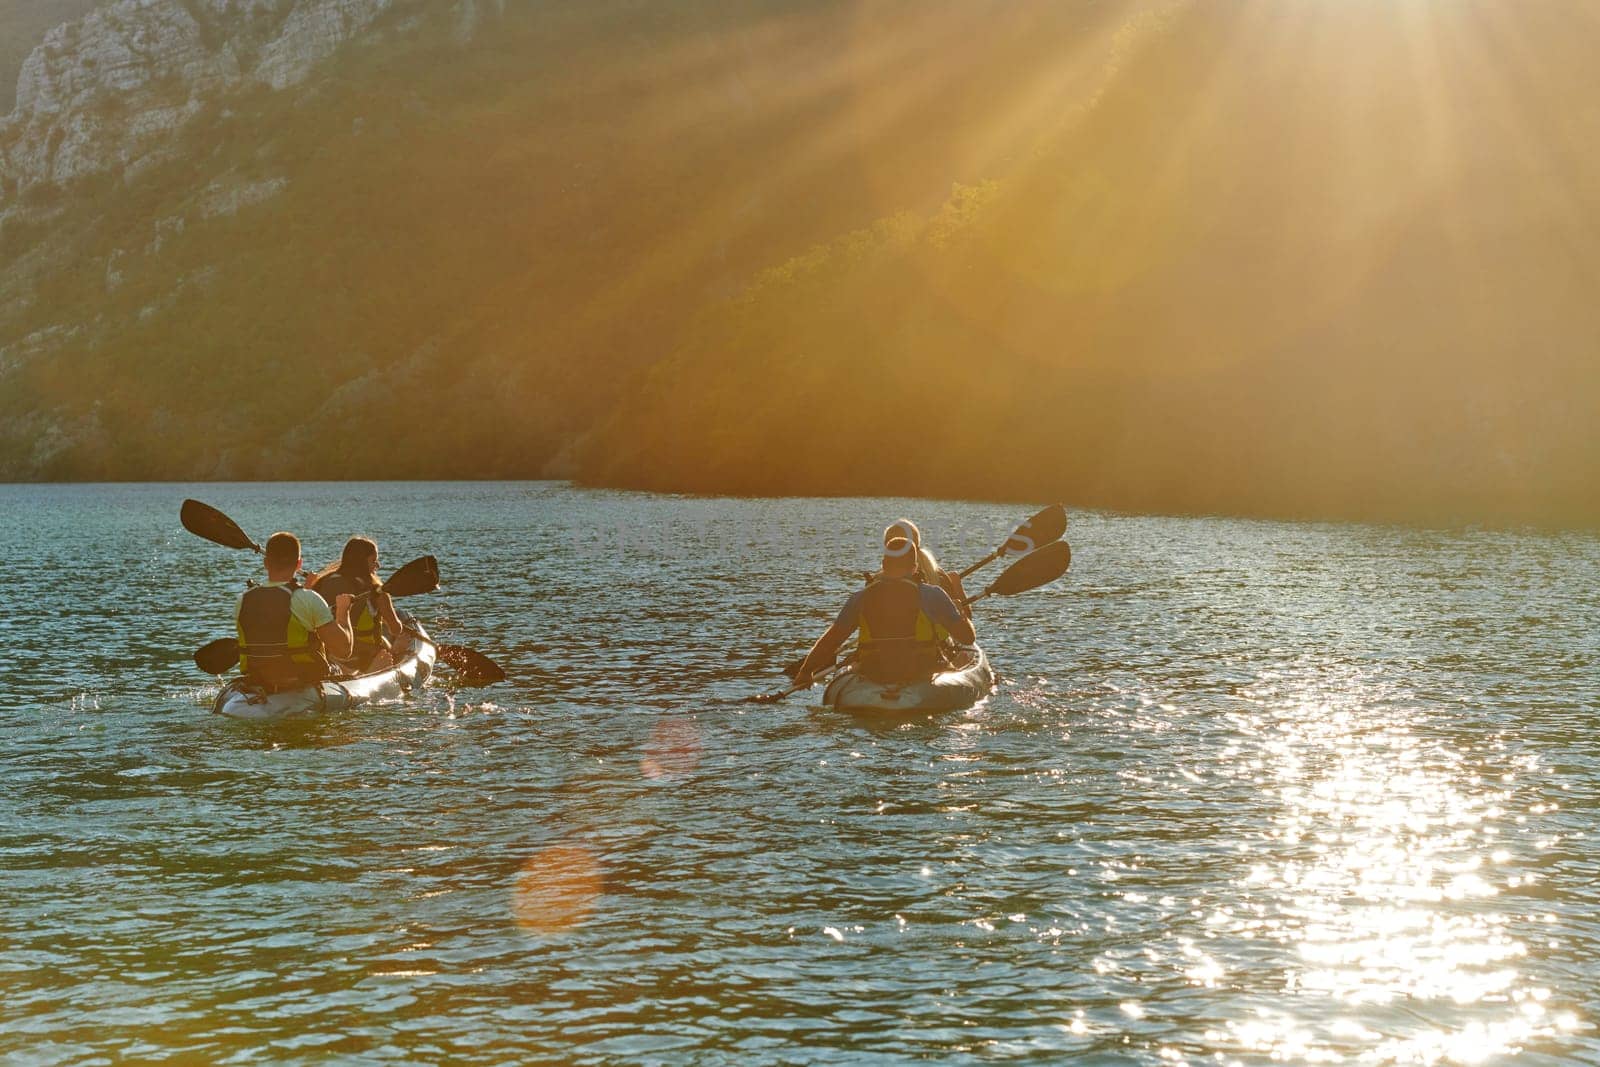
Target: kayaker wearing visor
927,567
284,629
897,618
356,574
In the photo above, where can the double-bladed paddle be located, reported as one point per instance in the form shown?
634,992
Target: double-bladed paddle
1037,568
218,657
421,575
1030,572
205,521
824,675
473,666
1043,529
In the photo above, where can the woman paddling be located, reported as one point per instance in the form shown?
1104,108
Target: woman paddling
356,573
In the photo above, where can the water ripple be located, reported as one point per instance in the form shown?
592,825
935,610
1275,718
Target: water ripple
1250,792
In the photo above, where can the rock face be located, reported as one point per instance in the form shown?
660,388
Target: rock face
106,92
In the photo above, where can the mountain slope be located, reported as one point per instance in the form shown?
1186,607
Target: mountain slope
442,256
1333,258
23,24
1321,259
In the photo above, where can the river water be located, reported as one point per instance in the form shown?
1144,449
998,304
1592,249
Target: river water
1249,792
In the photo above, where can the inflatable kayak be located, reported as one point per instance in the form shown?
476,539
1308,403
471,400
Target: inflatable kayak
959,686
415,653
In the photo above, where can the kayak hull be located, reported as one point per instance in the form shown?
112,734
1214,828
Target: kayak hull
240,699
950,690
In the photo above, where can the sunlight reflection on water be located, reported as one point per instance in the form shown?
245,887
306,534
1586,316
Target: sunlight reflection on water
1384,885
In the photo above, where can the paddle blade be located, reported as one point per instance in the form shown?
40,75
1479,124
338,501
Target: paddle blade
419,576
767,698
473,666
1033,570
1043,529
205,521
218,657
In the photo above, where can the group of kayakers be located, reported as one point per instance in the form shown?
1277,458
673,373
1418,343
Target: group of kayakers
341,621
904,618
292,635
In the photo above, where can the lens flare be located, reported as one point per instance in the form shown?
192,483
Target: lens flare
673,750
557,889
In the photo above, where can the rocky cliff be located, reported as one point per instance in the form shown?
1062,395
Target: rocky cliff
106,92
23,24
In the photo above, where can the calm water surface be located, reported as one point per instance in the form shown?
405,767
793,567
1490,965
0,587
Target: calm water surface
1249,792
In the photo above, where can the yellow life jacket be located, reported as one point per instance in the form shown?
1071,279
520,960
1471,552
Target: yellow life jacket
275,649
939,582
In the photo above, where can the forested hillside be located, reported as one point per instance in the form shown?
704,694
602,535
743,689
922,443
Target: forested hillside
1315,259
1323,258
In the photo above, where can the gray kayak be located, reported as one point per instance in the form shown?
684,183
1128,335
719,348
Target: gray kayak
240,699
962,685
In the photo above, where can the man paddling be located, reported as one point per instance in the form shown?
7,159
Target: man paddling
897,618
927,567
283,629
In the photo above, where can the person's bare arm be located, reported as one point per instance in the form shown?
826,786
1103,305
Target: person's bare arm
963,633
822,653
336,636
957,592
947,614
390,617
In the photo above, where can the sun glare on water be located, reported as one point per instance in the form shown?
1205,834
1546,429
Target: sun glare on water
1384,881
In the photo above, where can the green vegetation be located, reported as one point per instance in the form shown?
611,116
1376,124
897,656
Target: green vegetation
475,246
1250,280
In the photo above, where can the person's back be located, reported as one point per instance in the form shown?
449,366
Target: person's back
365,630
897,637
898,620
281,627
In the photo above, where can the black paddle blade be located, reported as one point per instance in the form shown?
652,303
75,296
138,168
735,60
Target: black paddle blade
1043,529
1033,570
419,576
218,657
473,666
203,520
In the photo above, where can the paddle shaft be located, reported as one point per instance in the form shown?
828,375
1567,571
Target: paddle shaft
1042,529
982,563
825,675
